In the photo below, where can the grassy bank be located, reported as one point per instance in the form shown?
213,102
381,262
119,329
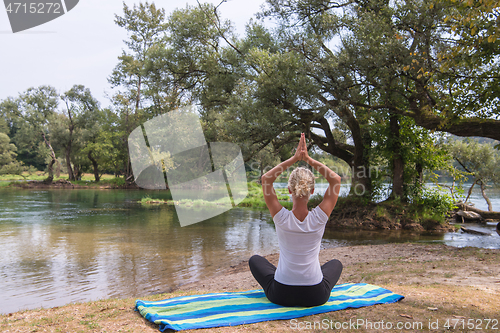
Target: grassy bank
428,213
355,213
254,199
88,180
351,212
40,175
442,285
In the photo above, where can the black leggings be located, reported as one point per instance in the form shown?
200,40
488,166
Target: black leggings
282,294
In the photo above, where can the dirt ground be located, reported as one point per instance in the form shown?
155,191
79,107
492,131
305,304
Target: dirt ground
402,259
445,289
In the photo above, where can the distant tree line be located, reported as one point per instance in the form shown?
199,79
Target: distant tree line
373,83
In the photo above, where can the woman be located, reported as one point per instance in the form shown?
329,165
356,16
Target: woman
299,279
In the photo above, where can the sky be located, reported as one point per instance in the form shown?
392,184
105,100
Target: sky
82,46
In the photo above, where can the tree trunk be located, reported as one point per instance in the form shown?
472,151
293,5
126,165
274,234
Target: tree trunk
420,173
361,184
470,191
50,178
71,174
261,167
490,208
397,160
78,172
355,156
95,166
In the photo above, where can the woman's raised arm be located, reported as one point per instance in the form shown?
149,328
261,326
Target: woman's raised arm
269,177
333,179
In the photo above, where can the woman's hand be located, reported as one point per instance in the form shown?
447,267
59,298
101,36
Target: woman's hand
269,177
301,152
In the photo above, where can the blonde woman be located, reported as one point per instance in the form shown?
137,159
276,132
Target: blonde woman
299,280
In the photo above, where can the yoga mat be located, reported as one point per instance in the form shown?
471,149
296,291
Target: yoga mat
237,308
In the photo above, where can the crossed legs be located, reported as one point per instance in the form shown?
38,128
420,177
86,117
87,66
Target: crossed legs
263,271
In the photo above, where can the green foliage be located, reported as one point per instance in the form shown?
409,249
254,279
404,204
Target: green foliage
381,212
34,110
255,198
8,162
314,201
422,154
7,150
117,181
3,126
474,27
348,202
431,204
479,160
395,60
147,200
8,116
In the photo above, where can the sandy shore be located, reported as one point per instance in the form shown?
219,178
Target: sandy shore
240,278
440,283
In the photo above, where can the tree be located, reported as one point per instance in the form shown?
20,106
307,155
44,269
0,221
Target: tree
470,64
77,125
354,65
481,161
144,23
8,115
390,52
137,92
3,126
260,90
8,162
35,109
101,145
439,95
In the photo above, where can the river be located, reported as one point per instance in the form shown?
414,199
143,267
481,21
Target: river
64,246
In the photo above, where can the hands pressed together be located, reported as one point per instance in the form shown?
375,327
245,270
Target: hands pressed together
301,153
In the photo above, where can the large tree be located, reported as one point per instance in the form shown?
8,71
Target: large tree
102,144
35,109
326,67
389,60
481,163
140,92
456,96
77,125
8,162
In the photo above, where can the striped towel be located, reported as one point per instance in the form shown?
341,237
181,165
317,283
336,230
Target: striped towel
237,308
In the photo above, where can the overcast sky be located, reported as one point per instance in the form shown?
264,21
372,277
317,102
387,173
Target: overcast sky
82,46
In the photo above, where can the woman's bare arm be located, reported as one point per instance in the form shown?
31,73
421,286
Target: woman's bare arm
333,179
269,177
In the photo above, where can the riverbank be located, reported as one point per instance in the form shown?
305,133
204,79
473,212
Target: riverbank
441,284
109,182
350,212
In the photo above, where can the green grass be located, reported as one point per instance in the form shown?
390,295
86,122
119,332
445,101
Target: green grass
254,199
40,175
106,180
35,176
87,179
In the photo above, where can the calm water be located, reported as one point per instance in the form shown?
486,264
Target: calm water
63,246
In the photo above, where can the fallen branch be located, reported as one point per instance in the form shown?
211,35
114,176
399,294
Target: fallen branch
485,214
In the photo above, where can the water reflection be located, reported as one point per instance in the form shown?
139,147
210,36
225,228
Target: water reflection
79,245
70,246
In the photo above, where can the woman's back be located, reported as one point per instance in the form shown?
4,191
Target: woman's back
299,243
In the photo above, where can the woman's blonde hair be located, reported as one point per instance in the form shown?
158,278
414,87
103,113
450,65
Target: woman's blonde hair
301,182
